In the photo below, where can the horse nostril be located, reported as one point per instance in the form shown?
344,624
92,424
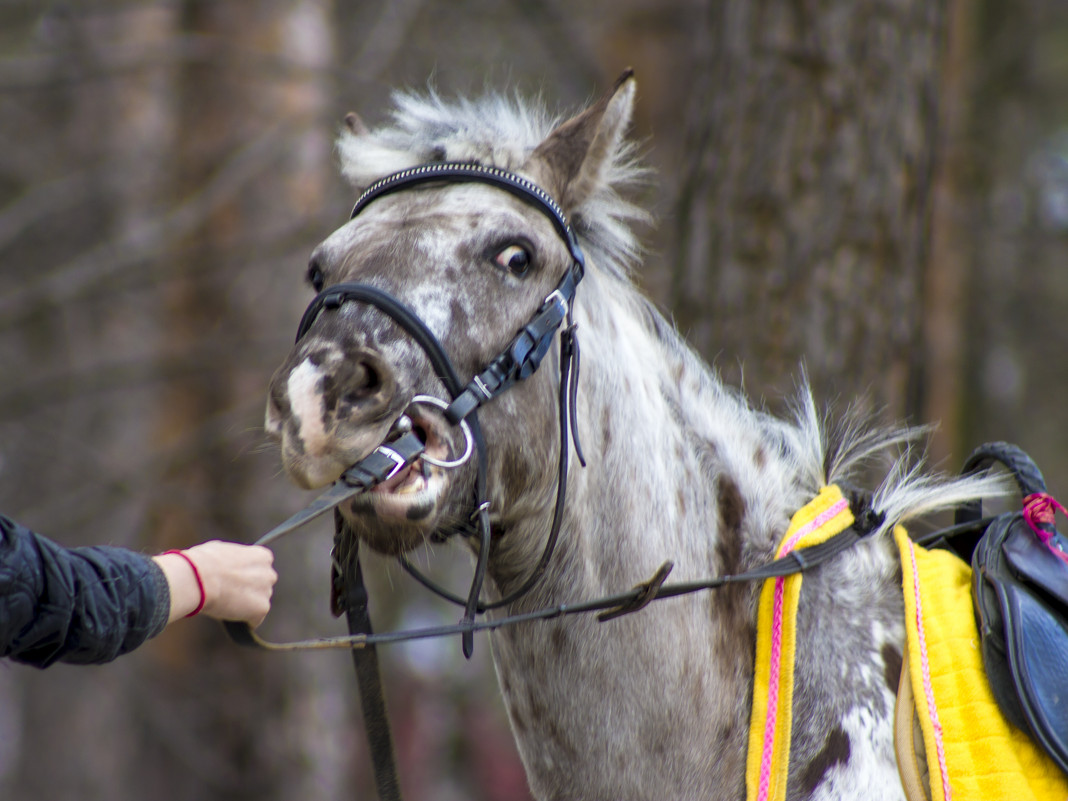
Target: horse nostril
364,382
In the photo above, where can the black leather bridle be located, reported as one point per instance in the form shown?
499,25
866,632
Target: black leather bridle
516,362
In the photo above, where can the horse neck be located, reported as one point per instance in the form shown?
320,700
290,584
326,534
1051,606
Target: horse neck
675,472
679,467
694,469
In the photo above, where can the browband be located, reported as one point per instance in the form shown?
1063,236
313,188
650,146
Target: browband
517,185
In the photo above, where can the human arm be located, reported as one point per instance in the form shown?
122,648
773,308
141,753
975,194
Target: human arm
90,605
81,605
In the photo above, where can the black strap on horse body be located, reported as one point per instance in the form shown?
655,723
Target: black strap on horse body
335,296
457,172
524,353
350,594
612,606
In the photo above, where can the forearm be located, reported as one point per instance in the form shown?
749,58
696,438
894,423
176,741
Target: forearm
83,605
90,605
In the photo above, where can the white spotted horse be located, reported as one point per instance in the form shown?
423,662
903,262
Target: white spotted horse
490,239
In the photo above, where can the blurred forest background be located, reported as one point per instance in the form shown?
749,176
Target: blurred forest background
878,189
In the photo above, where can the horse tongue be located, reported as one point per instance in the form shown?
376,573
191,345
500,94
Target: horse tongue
407,474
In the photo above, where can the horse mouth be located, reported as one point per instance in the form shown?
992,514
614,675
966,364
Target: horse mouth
412,494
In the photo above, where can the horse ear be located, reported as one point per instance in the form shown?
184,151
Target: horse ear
365,158
573,160
355,124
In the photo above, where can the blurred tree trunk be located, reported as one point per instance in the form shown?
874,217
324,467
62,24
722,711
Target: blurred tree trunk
1014,330
220,701
950,265
228,711
207,706
801,233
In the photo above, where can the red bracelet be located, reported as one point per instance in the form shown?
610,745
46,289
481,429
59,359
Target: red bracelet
196,574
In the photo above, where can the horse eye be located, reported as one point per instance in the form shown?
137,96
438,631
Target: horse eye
315,277
514,258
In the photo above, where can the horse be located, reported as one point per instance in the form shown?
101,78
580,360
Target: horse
679,466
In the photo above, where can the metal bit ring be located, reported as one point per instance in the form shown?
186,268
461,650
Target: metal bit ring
430,400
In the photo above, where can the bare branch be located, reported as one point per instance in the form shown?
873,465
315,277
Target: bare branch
42,200
130,248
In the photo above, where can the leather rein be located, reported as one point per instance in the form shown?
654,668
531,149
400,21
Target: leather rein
516,362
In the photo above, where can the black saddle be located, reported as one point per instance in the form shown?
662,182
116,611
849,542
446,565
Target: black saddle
1020,592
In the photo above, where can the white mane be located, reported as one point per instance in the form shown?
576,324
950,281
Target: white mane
502,131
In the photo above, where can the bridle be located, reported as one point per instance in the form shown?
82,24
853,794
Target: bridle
516,362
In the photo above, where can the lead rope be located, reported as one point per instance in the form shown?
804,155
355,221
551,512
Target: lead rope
350,594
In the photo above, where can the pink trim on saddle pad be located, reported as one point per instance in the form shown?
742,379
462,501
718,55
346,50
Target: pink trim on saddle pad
775,667
928,691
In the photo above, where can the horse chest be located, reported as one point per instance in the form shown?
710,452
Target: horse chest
657,704
626,709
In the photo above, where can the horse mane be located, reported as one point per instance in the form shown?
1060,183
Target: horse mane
502,131
842,446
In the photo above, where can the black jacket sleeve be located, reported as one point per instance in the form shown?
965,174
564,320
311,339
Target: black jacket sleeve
81,605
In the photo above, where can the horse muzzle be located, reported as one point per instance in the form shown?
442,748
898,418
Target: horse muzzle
329,405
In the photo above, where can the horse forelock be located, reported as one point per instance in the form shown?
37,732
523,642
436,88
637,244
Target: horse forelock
502,131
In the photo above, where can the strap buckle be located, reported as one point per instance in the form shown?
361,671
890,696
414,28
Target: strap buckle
646,593
399,462
557,295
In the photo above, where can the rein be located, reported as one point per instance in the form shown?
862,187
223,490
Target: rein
516,362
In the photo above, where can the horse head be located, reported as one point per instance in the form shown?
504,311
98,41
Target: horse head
474,262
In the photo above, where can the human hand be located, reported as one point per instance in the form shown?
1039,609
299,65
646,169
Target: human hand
237,580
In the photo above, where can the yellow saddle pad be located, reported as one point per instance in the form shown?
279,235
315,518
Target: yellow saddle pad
771,719
972,752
